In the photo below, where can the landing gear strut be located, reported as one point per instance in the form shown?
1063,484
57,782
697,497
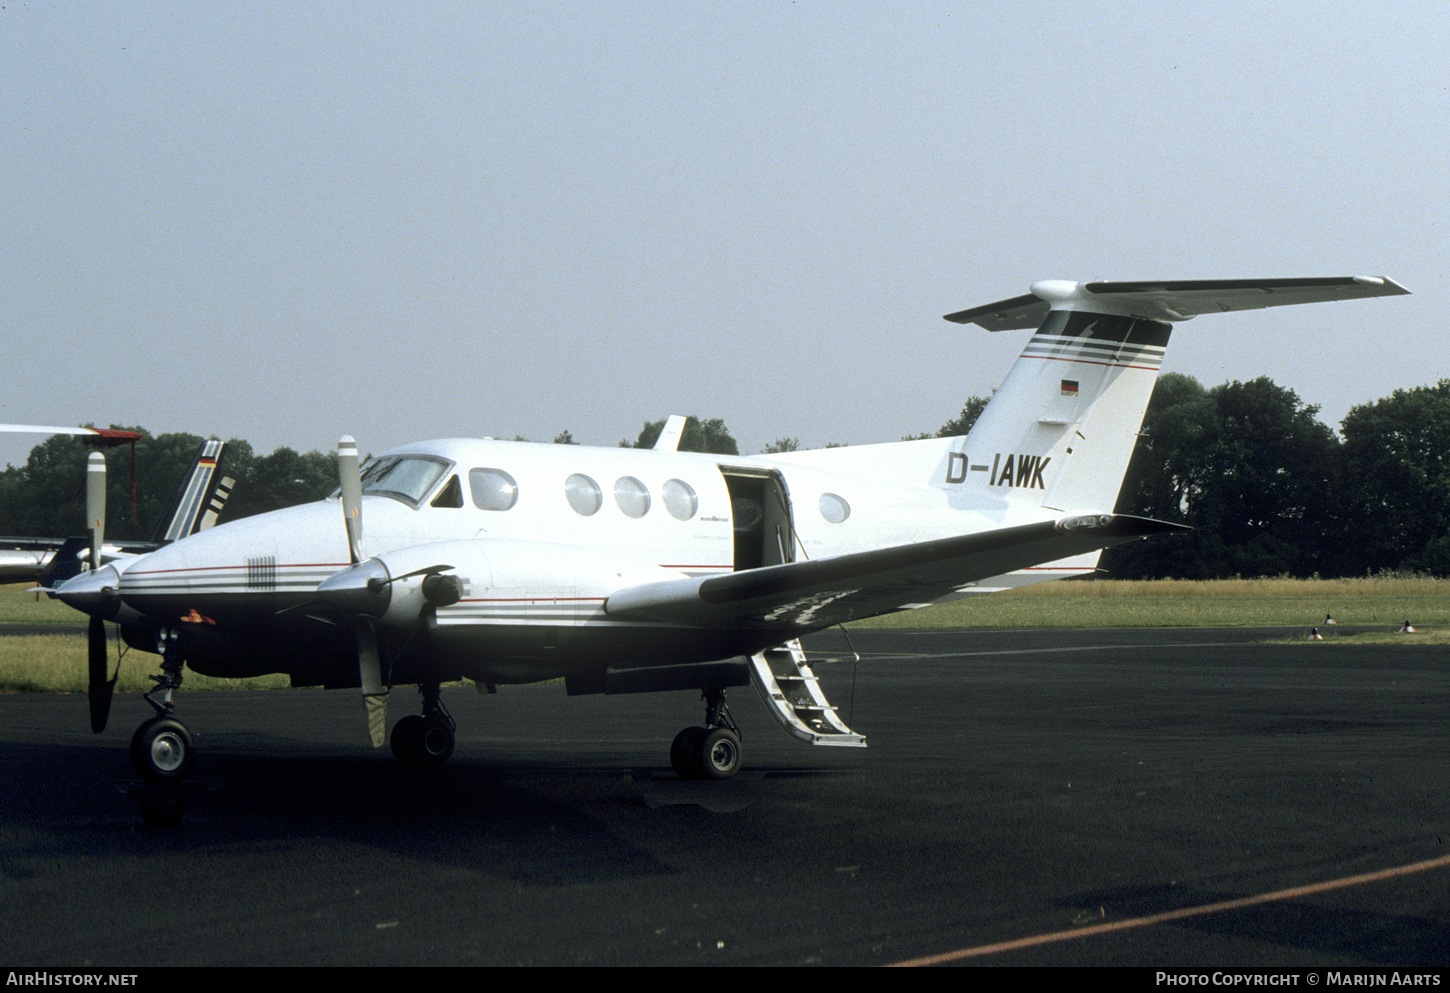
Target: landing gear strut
162,750
712,751
427,738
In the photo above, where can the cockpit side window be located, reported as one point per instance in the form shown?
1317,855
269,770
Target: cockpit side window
451,495
408,478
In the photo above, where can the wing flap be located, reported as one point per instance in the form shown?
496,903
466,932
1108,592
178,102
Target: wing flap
804,596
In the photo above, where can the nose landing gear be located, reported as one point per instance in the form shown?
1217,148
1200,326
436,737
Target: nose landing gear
162,750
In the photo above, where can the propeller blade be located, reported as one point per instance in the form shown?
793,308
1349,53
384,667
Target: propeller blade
99,689
370,674
350,483
96,504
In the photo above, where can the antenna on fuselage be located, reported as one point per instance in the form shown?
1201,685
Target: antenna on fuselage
670,434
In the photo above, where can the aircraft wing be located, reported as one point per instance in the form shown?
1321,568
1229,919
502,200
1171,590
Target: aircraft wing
1172,300
95,436
21,565
806,596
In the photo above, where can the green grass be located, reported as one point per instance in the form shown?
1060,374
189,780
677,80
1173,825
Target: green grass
19,607
1180,603
56,663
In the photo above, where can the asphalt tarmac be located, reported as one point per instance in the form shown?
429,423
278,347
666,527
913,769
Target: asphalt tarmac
1091,796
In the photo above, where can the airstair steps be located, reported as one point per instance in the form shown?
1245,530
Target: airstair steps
793,695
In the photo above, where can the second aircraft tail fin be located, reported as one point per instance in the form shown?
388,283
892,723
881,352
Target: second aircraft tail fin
198,500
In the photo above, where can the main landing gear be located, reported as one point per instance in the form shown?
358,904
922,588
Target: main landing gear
426,738
712,751
162,750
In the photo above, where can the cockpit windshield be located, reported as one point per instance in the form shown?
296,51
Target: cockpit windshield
403,477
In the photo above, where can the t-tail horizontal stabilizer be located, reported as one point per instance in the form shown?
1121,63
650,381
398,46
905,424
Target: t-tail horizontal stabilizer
1175,300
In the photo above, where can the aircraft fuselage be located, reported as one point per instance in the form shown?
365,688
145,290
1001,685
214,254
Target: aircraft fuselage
539,536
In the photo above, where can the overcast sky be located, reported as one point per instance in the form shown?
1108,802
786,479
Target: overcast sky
286,222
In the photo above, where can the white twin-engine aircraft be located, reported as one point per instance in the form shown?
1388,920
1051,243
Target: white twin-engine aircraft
627,571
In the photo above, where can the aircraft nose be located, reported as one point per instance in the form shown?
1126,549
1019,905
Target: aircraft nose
97,592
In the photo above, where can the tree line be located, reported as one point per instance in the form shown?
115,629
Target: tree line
1272,491
1268,489
46,497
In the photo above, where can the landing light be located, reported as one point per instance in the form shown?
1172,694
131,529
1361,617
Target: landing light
1085,522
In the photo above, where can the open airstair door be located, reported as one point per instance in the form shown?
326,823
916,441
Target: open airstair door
794,697
761,517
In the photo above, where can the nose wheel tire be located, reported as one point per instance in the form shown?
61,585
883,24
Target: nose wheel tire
162,750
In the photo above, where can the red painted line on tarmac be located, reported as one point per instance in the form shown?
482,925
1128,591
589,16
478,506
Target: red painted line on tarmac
1178,915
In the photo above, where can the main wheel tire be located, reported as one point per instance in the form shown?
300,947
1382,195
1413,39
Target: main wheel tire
406,739
719,755
435,744
162,750
419,740
685,753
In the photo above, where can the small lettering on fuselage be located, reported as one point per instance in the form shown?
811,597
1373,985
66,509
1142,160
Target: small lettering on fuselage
1017,470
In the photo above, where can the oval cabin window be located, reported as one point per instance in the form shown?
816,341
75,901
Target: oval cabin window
680,499
631,496
583,494
834,509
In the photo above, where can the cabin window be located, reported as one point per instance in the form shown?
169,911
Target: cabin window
583,494
493,489
680,499
403,477
834,508
631,496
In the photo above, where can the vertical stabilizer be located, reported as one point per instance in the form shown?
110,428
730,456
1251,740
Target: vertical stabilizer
1060,430
196,501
